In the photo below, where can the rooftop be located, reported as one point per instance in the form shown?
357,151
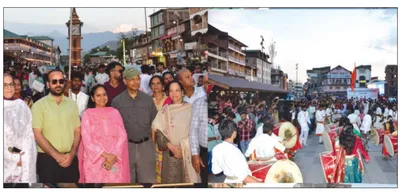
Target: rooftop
42,38
99,54
232,38
10,35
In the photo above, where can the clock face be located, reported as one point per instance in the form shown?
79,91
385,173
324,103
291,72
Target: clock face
76,30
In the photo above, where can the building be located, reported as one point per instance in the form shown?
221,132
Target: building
314,80
278,78
291,86
391,81
236,58
101,58
174,42
49,41
260,59
336,81
76,37
198,21
216,43
24,50
298,91
376,83
363,76
159,22
141,48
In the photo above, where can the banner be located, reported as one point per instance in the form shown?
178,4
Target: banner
363,93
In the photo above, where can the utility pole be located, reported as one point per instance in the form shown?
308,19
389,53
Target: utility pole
262,60
297,68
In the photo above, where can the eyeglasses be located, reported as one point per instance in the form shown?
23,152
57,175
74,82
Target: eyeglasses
9,85
60,81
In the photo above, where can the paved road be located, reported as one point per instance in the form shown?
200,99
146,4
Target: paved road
377,171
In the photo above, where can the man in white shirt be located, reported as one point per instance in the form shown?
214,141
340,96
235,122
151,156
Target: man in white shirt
311,111
320,120
192,92
227,158
393,113
378,113
385,113
77,95
32,76
355,119
102,77
304,122
145,79
366,123
264,145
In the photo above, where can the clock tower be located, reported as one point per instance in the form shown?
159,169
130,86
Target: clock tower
76,37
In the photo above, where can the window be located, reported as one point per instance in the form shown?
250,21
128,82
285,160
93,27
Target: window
160,18
161,30
361,70
330,87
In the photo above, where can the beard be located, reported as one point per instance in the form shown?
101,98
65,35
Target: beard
54,91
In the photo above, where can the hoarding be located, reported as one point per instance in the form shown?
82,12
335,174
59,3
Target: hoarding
363,93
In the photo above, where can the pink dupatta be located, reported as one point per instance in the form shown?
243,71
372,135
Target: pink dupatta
102,130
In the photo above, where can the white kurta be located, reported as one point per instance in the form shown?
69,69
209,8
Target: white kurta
366,123
264,146
227,158
303,119
18,133
319,117
366,108
355,120
102,78
377,123
260,130
81,99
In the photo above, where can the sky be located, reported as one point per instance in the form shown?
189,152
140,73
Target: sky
95,19
316,37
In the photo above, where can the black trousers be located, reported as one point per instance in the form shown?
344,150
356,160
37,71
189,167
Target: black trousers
203,170
49,171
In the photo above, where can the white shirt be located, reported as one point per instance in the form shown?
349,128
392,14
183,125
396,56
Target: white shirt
81,99
260,130
355,120
264,146
227,158
328,112
102,78
31,79
303,119
198,92
312,111
386,113
144,83
366,123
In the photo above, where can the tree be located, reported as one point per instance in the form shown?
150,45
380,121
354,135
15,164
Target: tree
86,58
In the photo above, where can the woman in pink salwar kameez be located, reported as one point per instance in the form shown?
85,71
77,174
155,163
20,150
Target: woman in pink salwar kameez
103,151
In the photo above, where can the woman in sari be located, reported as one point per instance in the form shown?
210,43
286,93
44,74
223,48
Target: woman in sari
350,166
103,151
19,142
157,87
172,124
167,77
20,94
344,121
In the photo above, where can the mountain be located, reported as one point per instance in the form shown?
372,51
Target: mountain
91,39
112,44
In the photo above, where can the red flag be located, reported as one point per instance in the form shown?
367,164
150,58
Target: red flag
353,78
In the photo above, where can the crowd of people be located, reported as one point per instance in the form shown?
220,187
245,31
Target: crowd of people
240,129
111,124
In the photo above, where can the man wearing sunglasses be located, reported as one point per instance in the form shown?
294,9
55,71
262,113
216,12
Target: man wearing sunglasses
56,126
115,85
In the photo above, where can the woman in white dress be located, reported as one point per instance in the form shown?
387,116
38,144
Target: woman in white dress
19,143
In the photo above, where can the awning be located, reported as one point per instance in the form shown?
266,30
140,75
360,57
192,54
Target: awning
243,85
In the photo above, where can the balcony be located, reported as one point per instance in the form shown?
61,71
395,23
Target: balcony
199,26
235,48
219,67
236,60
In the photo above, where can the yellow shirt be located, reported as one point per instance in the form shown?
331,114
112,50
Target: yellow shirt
57,121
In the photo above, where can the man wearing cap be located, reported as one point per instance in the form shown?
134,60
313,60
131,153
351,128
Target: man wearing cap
138,112
115,85
101,77
77,95
264,145
227,158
